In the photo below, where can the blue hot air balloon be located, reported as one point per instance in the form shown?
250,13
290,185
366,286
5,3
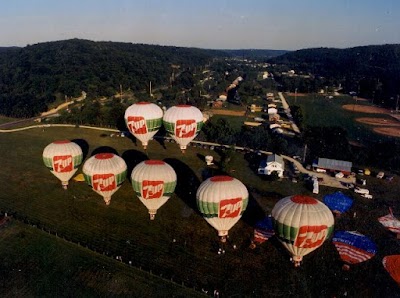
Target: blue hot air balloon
353,247
263,230
338,202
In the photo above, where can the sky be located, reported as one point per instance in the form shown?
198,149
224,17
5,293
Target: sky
212,24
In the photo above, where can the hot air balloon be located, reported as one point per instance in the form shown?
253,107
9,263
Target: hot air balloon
105,172
143,120
63,159
183,123
391,223
338,202
392,265
302,224
222,201
263,230
154,182
353,247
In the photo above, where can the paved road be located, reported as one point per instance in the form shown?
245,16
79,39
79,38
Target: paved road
286,107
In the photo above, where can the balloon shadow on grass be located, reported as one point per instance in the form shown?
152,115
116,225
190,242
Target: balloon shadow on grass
104,149
187,182
84,146
133,158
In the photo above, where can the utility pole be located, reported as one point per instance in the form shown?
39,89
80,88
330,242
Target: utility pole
150,90
397,104
295,95
304,154
120,91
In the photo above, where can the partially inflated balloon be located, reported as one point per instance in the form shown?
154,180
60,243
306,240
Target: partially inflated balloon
222,201
353,247
105,172
302,224
392,265
63,159
154,182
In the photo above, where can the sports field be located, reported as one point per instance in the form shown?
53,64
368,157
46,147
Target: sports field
178,244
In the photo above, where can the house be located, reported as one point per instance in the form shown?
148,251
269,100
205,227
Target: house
273,163
332,165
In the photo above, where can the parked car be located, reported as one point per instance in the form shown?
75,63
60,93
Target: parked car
348,185
339,175
367,196
361,190
389,178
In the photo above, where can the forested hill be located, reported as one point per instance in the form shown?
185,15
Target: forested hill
30,76
254,53
377,66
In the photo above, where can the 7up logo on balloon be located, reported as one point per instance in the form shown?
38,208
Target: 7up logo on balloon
311,236
104,182
62,164
152,189
137,125
185,128
230,208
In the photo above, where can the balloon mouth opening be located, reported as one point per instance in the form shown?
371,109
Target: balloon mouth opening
154,162
221,178
143,103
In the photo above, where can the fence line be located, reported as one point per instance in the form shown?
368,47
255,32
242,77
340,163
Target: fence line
39,226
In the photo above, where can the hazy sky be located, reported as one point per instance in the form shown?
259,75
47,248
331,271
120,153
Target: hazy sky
263,24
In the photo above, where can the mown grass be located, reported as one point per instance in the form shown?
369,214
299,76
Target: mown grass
36,264
123,228
321,111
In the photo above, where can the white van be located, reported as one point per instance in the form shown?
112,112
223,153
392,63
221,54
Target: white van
360,190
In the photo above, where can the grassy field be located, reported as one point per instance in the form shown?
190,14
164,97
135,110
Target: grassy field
36,264
320,111
79,215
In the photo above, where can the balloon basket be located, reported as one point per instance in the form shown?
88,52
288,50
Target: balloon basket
64,184
345,267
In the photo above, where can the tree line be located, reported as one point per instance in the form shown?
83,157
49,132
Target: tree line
30,77
371,71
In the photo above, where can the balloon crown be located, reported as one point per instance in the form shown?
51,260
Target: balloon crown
154,162
62,142
221,178
300,199
104,155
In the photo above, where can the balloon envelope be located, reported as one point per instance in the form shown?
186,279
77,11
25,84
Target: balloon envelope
353,247
105,172
183,123
390,222
143,120
302,224
392,265
63,158
263,230
154,182
338,202
222,201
